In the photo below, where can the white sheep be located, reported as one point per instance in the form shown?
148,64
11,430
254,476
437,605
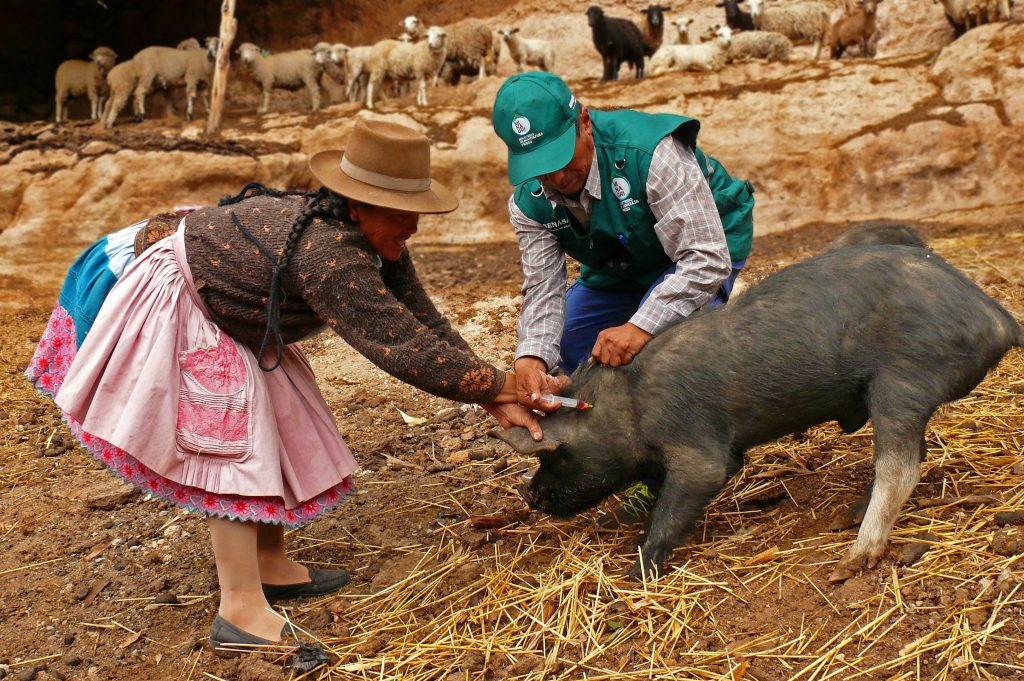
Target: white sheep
411,27
470,43
172,66
747,45
528,51
357,71
78,77
988,11
703,57
284,70
121,81
407,62
687,31
801,21
188,44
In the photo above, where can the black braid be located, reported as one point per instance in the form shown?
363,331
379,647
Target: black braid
258,189
322,203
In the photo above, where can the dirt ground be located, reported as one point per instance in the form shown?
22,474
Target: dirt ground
98,582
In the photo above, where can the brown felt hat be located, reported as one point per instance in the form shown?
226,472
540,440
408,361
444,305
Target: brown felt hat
385,164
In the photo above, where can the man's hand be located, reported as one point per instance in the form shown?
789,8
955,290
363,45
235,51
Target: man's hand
619,345
509,415
533,380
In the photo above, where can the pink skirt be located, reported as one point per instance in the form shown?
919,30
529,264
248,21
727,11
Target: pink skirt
164,398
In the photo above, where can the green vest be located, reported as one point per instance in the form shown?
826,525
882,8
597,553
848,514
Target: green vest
621,249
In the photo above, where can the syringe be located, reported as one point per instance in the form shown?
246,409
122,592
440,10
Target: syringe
569,402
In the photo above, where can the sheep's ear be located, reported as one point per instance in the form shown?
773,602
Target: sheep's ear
519,439
515,30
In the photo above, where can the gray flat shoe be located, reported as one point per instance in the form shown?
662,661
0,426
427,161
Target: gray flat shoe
321,583
228,640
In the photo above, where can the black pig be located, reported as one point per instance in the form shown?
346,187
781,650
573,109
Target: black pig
881,332
876,232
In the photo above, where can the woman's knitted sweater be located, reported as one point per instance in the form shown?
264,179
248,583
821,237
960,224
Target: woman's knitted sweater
334,278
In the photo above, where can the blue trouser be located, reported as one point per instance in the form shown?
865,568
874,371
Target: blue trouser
590,311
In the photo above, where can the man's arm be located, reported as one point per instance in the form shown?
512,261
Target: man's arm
544,276
690,229
543,313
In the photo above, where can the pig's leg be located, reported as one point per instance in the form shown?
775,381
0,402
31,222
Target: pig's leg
852,516
692,481
898,446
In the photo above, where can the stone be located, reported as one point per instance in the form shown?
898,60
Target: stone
1008,543
105,494
97,147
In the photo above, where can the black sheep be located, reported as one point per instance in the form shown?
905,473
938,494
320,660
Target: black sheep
655,25
737,19
618,40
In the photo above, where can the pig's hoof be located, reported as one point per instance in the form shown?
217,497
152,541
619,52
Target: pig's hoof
840,574
847,568
844,521
638,572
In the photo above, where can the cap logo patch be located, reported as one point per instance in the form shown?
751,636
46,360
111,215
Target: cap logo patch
572,101
521,125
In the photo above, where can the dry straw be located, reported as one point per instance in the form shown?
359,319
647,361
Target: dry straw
749,597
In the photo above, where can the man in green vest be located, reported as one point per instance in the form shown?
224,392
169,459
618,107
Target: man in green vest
660,231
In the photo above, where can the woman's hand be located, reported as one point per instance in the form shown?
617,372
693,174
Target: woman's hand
509,415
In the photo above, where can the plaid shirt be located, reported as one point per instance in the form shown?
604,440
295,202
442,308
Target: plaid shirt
687,225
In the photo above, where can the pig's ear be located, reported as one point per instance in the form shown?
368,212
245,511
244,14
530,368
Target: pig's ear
519,439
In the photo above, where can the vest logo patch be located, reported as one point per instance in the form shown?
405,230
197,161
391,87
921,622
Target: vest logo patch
620,187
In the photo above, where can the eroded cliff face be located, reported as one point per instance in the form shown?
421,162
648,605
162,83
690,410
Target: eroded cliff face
914,136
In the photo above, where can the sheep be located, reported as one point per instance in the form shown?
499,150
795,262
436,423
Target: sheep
121,81
357,71
655,24
171,65
188,44
617,40
957,15
702,57
285,70
856,28
409,61
529,51
806,21
978,12
470,44
452,72
768,45
334,66
687,31
77,77
411,26
735,18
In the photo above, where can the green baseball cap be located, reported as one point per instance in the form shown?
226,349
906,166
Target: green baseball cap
535,116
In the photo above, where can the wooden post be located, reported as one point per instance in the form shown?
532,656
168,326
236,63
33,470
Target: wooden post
220,74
